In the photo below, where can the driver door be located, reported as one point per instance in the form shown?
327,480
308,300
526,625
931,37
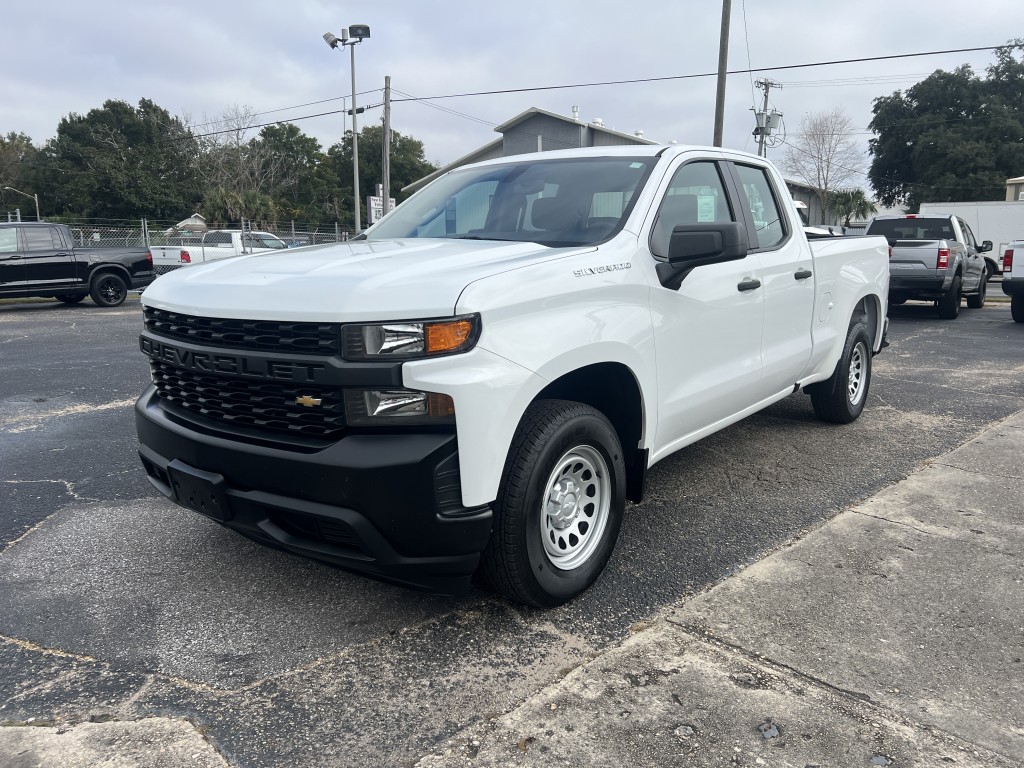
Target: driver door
707,333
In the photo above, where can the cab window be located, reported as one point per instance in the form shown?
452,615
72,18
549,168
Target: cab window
8,240
764,208
696,195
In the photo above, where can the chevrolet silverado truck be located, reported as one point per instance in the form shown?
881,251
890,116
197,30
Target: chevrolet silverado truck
935,258
212,245
1013,279
481,381
41,259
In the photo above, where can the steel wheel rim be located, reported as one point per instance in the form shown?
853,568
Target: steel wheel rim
575,507
857,377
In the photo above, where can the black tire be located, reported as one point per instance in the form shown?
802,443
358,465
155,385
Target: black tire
1017,308
108,289
543,551
841,398
70,298
949,304
977,301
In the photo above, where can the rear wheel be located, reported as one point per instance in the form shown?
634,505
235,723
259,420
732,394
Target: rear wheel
70,298
108,290
840,399
949,304
978,300
1017,308
560,505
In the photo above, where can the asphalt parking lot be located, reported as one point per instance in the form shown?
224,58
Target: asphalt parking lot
115,605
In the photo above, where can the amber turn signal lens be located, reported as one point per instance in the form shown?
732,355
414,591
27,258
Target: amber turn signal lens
440,406
448,337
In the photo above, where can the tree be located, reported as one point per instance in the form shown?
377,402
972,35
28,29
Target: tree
408,164
850,204
824,154
122,162
952,136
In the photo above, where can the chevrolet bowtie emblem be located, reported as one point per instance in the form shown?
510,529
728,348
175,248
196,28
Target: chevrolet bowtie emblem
308,400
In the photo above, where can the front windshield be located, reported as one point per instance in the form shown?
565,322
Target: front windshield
578,201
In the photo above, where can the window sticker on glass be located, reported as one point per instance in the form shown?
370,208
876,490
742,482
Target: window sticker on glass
706,207
636,165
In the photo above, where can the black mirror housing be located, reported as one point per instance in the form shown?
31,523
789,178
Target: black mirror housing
697,245
986,245
694,245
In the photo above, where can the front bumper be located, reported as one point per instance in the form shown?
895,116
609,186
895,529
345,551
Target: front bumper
387,505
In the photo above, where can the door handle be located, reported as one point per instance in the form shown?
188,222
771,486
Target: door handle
749,284
803,274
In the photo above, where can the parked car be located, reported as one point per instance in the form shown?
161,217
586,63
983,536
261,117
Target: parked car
1013,278
213,245
40,259
934,258
485,376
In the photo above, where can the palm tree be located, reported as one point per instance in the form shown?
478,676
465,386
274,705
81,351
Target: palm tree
850,204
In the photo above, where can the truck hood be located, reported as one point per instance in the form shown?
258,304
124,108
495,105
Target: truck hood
345,282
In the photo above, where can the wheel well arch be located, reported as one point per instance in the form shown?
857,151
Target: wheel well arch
118,269
869,312
612,389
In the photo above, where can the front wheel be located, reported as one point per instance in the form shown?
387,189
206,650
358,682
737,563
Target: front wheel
560,505
840,399
1017,308
108,290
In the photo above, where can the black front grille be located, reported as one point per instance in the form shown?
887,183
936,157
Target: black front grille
249,335
256,403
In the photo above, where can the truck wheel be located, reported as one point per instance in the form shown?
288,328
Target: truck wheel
949,304
841,398
560,505
108,290
978,300
1017,308
70,298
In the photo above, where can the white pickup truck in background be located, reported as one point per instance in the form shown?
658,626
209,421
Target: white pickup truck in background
483,379
210,246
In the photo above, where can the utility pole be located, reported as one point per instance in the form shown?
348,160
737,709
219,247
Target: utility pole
385,168
723,67
766,123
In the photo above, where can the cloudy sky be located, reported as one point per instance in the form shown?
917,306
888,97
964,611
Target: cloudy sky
199,59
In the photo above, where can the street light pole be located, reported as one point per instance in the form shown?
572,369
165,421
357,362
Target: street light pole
355,141
31,197
353,35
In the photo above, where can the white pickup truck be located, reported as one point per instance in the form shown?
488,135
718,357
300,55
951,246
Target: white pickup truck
484,378
210,246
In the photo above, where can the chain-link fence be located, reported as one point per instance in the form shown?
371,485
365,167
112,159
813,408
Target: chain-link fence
146,232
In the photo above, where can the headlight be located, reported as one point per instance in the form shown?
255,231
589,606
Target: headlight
372,408
407,341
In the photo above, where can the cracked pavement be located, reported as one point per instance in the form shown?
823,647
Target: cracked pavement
117,608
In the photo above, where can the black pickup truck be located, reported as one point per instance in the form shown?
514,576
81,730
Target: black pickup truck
40,259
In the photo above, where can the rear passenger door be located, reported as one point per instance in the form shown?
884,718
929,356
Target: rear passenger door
787,278
974,267
49,262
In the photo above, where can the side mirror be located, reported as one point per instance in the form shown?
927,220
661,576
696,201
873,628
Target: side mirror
986,245
697,245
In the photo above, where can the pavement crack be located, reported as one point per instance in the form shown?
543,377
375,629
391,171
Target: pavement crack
894,522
